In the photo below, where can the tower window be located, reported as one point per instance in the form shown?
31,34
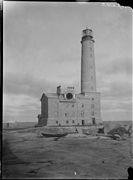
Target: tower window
92,98
65,114
73,121
67,121
82,105
56,122
72,105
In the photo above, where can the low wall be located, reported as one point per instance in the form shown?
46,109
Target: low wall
70,129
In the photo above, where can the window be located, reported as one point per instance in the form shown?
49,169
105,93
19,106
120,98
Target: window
67,121
72,105
73,121
56,122
65,114
91,77
83,122
93,121
69,96
92,98
82,105
82,114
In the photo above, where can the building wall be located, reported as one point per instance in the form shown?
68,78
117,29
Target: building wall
88,108
77,112
53,104
43,117
68,109
44,107
67,113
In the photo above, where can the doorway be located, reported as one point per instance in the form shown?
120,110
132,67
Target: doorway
83,122
93,121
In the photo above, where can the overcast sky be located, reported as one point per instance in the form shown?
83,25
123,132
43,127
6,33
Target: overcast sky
42,50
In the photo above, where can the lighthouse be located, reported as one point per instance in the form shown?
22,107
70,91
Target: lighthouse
65,107
88,75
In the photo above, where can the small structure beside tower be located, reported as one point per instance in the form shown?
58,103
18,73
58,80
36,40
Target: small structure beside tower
70,109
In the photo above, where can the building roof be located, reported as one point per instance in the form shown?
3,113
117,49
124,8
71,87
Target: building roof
54,95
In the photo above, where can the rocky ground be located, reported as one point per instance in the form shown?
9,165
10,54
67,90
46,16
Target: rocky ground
27,154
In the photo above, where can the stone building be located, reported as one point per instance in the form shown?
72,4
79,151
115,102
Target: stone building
70,109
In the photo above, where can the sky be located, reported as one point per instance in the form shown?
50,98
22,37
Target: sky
42,49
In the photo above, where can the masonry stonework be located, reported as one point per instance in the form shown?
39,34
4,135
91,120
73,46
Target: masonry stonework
70,109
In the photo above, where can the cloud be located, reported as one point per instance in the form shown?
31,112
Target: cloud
118,90
114,79
116,100
15,83
120,65
22,94
18,106
42,50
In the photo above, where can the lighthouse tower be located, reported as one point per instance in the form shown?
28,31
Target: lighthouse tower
66,108
88,75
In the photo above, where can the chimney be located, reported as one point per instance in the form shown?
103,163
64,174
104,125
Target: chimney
58,90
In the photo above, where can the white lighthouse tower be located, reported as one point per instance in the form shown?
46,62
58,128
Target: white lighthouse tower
88,75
